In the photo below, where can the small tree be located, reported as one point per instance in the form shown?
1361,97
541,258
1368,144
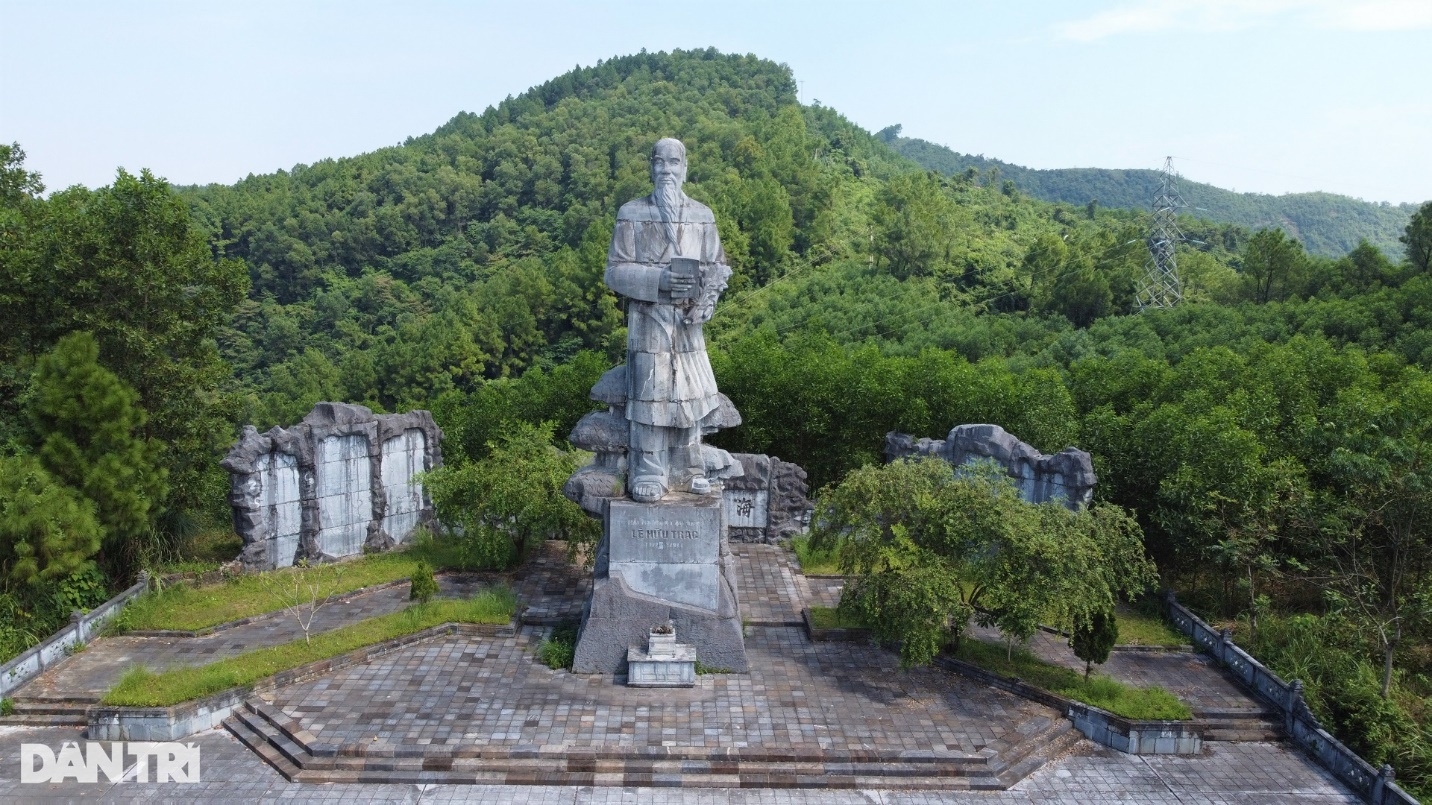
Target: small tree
1093,638
512,499
930,547
424,586
303,591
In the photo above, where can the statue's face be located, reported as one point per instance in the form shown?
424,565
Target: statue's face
667,165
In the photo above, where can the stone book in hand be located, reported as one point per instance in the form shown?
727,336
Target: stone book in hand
688,267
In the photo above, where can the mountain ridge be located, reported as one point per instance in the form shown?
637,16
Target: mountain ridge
1328,224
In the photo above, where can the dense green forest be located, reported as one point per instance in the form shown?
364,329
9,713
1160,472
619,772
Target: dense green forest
1272,436
1327,224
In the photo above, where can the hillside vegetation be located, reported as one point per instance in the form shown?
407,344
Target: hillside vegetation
1327,224
1272,436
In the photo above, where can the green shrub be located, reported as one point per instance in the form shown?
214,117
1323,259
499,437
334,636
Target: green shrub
560,648
816,562
1342,686
424,586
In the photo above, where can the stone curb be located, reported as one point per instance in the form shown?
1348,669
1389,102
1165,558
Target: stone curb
1134,737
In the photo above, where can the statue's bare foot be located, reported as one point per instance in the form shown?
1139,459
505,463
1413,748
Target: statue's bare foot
700,486
647,491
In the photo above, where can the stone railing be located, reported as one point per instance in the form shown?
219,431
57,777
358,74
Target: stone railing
1374,785
82,628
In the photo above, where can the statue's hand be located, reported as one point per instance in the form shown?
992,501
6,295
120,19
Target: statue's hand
679,281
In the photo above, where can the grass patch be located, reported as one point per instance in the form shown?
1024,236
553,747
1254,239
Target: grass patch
813,562
1124,700
7,706
833,618
186,607
560,648
1140,629
143,688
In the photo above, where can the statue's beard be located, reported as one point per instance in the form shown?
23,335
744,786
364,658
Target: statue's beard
668,198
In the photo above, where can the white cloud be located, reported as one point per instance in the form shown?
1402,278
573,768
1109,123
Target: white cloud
1151,16
1376,15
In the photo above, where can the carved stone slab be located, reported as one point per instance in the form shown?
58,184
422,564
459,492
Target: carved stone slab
670,549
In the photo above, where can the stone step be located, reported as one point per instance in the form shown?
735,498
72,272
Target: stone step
48,712
284,744
50,707
44,720
1236,713
260,745
1240,724
1035,750
627,767
1251,733
294,762
292,751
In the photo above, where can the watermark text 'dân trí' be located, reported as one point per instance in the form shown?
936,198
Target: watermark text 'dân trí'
120,761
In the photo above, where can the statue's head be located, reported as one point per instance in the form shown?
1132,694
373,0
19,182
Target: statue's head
668,163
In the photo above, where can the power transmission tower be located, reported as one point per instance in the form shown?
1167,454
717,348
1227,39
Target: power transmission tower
1160,286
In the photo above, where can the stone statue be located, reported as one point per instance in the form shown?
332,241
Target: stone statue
666,260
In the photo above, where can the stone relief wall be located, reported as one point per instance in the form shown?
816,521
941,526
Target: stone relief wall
336,484
1066,477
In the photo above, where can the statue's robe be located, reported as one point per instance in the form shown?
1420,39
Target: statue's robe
669,378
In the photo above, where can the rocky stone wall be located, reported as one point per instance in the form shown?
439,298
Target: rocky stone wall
336,484
1066,477
768,502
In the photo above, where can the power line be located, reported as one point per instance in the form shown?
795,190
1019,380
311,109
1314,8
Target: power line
1161,287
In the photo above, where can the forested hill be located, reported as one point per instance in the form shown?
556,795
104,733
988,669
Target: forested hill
1327,224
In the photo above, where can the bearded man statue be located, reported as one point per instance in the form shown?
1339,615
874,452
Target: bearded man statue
666,260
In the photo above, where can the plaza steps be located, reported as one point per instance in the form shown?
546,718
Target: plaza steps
47,713
285,746
1240,724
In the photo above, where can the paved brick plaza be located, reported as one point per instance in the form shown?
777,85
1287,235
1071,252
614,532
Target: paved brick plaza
798,695
463,693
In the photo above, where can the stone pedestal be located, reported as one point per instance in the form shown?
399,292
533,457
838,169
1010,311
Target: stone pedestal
662,562
664,664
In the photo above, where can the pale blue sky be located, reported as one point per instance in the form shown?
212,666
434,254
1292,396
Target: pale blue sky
1266,95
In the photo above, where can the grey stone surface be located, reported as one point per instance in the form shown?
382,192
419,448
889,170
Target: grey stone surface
1066,477
336,484
670,549
665,663
678,588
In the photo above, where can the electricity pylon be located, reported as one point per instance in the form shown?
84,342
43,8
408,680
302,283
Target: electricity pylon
1160,286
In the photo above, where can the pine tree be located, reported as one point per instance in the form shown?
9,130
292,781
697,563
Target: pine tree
47,530
1094,638
85,422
